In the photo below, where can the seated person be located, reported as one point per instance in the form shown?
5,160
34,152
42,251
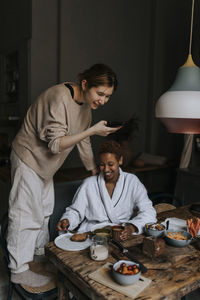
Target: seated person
110,198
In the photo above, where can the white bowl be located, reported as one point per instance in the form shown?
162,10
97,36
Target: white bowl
122,278
153,231
178,243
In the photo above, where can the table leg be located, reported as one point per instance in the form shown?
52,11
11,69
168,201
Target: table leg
63,292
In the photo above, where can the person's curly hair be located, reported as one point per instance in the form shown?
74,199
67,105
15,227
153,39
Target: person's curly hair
111,147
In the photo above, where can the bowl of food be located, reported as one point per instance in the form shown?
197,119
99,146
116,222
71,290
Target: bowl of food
126,272
105,232
154,229
178,238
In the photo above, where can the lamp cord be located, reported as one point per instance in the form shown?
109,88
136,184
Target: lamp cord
191,27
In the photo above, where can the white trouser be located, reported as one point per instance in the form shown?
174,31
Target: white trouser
31,203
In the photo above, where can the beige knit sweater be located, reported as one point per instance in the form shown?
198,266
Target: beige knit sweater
54,114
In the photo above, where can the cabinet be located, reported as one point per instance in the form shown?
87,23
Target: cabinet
11,77
13,88
9,93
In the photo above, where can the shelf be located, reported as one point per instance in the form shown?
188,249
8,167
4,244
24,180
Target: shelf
10,77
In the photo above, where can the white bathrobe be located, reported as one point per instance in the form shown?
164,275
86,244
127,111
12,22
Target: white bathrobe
92,206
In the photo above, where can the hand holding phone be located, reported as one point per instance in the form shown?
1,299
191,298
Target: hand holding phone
115,124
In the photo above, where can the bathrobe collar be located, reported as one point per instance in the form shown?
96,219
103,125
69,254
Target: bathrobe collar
111,203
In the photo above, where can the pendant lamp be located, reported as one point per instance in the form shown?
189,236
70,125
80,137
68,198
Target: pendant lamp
179,108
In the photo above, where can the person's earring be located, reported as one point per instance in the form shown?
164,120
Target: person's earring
84,84
121,161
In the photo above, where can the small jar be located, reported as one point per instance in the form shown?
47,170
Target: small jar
99,248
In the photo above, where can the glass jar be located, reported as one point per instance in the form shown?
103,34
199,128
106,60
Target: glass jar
99,248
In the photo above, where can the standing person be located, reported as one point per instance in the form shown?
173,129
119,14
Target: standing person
58,120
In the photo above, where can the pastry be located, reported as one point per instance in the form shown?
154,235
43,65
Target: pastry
79,237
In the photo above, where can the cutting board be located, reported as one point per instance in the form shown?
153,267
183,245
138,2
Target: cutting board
171,256
103,275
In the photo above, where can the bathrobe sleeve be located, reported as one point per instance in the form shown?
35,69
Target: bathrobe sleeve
76,212
146,212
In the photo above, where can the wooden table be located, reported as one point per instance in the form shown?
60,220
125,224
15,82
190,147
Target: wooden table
171,283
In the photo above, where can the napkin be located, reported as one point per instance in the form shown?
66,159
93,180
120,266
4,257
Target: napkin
104,276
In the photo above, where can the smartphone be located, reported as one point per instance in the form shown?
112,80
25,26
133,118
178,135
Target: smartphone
115,124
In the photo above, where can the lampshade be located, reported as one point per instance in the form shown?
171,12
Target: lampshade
179,107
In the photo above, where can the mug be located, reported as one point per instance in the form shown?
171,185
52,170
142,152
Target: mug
116,232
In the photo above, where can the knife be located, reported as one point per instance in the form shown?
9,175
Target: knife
129,255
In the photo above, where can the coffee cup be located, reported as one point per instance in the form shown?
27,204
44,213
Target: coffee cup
116,232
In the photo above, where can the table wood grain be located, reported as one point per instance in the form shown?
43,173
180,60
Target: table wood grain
178,276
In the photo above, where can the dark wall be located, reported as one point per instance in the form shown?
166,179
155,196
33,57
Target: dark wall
144,41
116,33
15,21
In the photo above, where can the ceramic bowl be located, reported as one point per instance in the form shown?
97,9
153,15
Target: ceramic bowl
153,229
125,279
105,232
176,242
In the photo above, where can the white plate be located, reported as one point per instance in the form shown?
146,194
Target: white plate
63,242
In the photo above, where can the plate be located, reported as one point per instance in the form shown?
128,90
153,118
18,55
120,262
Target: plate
63,242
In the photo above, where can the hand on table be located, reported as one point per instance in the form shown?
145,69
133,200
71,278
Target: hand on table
63,225
128,231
